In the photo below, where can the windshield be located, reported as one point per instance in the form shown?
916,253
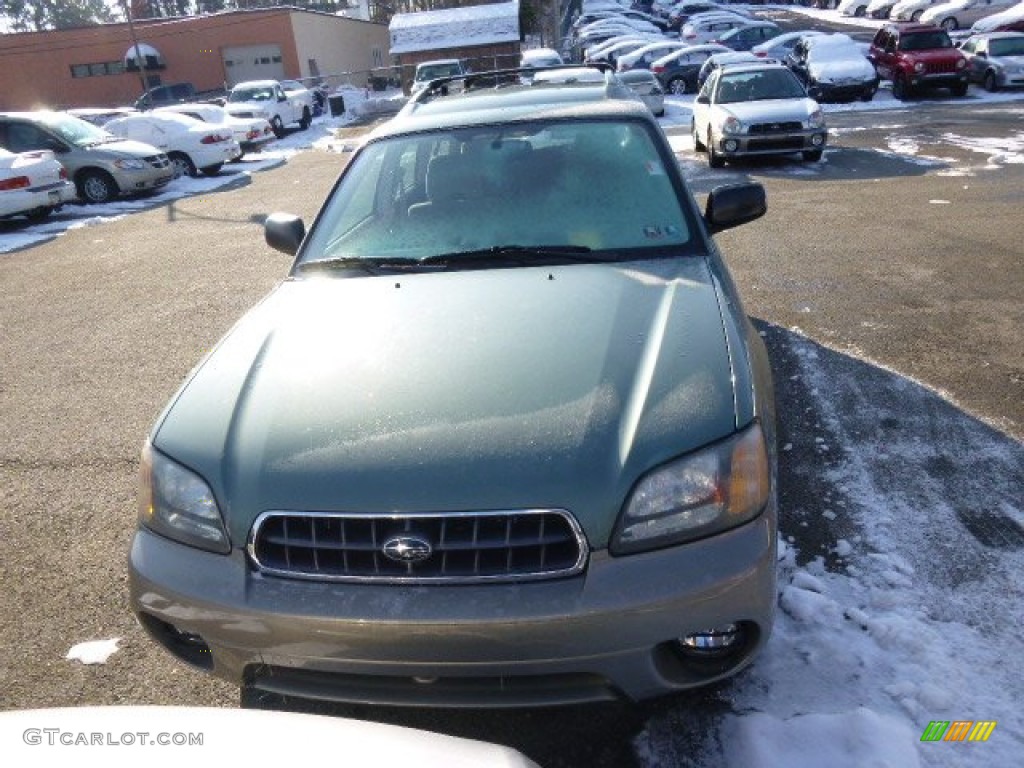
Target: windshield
564,187
438,70
265,93
74,130
1006,47
759,86
925,41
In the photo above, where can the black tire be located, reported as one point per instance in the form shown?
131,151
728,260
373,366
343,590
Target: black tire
990,82
96,186
861,12
868,94
305,120
277,126
949,24
959,90
916,15
698,145
715,160
900,88
212,170
677,86
812,155
183,165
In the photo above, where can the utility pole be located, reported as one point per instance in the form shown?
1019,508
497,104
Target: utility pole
135,43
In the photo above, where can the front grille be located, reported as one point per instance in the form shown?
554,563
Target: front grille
464,547
787,127
780,144
940,67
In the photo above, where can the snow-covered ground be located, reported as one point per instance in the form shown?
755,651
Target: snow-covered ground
908,612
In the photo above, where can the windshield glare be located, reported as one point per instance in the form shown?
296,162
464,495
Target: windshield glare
759,86
251,94
1006,47
596,186
74,130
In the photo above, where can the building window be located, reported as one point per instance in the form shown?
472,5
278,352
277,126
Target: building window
97,69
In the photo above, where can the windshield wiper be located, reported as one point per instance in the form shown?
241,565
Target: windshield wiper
520,255
373,266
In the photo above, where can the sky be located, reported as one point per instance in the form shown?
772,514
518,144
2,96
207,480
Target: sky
898,622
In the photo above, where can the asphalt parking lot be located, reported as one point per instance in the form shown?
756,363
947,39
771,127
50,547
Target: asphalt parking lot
899,278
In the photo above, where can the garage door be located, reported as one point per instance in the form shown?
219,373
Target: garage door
253,62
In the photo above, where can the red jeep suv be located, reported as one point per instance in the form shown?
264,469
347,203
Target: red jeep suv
918,56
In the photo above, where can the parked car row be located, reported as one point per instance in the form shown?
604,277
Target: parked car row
106,153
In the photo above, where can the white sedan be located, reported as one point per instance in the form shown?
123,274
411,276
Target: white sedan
251,133
32,184
192,145
756,109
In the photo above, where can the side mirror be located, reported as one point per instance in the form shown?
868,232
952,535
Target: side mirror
734,204
284,232
703,99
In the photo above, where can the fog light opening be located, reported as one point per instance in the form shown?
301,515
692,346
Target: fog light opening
187,646
719,641
731,145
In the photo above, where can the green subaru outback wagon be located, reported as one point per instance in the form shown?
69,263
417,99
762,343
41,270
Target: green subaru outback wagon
504,436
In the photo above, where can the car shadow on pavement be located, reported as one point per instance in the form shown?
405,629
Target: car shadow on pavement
870,462
839,164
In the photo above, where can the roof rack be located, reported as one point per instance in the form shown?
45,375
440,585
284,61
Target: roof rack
503,78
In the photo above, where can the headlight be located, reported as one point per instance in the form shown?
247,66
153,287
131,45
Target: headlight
961,63
178,504
919,67
816,119
707,492
130,165
732,125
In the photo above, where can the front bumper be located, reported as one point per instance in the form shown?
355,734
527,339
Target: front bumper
134,182
843,91
737,145
610,633
939,80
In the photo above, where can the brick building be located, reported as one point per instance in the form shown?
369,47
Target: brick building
97,66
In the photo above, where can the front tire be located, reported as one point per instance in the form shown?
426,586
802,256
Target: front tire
677,86
698,145
305,120
715,160
183,165
97,186
861,12
990,82
212,170
959,90
916,16
950,24
277,127
900,88
812,155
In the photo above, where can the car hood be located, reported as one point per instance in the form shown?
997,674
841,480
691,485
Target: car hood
771,110
551,387
126,148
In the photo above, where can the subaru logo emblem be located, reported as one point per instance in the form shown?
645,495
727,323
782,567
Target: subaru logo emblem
407,549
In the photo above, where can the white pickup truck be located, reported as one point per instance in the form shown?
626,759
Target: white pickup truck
267,99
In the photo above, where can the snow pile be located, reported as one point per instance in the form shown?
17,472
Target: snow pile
94,651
